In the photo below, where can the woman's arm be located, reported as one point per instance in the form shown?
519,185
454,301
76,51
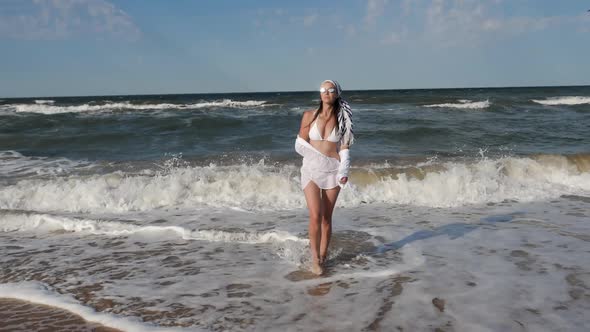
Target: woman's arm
305,122
344,167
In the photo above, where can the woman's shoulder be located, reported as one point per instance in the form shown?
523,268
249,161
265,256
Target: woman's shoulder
309,113
307,117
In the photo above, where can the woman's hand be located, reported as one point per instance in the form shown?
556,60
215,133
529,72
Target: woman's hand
344,180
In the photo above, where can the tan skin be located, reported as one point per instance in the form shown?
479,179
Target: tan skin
321,202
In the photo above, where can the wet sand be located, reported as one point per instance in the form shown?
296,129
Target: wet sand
17,315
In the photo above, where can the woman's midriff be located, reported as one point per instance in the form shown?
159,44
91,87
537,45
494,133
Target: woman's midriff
329,149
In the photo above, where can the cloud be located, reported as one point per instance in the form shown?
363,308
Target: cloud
267,19
467,21
61,19
519,25
447,19
375,9
457,22
350,30
433,22
390,39
306,21
309,20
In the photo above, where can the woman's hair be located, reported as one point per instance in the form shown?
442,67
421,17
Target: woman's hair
343,114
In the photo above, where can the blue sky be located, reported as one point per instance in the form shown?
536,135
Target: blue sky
96,47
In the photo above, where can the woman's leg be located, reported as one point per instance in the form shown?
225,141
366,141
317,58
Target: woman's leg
314,205
329,197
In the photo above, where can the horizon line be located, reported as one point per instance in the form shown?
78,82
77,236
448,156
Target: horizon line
298,91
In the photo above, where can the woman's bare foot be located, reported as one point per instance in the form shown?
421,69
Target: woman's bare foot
316,268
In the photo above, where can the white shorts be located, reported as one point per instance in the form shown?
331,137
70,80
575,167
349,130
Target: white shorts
317,167
322,170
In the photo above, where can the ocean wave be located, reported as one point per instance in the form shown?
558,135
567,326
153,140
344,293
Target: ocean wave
260,187
573,100
465,104
48,108
11,222
13,164
42,101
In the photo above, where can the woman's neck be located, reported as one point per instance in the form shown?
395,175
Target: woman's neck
327,110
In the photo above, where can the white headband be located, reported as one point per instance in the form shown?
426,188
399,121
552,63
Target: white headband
344,117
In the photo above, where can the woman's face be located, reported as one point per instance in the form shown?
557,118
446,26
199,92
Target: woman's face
328,93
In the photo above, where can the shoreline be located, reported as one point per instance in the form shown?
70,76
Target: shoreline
22,315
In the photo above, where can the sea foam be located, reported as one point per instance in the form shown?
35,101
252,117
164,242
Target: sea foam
40,293
259,187
30,222
464,104
45,107
13,163
572,100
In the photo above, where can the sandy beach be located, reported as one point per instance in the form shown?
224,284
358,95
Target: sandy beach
17,315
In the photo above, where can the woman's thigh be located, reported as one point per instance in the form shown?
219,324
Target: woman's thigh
329,197
313,198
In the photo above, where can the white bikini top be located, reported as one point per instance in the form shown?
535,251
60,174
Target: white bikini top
314,134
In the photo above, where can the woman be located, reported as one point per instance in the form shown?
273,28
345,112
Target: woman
324,139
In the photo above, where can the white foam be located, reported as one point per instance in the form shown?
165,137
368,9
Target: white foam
41,101
48,108
229,103
520,179
39,293
260,187
11,222
13,163
573,100
464,104
412,259
249,187
493,276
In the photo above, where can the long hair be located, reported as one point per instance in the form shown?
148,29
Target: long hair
343,114
320,109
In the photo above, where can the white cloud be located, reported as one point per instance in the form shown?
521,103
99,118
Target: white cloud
59,19
445,19
375,9
391,38
349,29
309,20
268,19
459,21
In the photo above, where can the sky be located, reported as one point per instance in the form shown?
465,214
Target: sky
114,47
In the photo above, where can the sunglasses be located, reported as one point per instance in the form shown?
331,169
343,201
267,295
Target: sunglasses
329,90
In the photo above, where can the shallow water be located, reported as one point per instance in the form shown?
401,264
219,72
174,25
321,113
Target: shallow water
496,267
468,210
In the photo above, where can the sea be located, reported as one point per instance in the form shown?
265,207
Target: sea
467,210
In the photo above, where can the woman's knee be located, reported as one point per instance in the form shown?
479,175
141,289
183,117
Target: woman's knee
315,218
